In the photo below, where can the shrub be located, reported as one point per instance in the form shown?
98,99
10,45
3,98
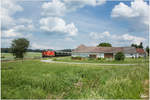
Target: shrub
99,59
2,56
119,56
76,58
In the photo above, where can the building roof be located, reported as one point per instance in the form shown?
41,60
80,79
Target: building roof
85,49
140,50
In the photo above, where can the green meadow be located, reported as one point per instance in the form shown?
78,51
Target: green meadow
33,79
103,60
9,56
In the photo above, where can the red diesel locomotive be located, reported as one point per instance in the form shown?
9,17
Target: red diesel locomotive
52,53
48,53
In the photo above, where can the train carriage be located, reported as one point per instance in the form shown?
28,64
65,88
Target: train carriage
52,53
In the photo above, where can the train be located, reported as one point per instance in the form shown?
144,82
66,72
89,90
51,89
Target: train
53,53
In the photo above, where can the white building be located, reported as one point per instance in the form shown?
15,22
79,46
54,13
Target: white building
106,52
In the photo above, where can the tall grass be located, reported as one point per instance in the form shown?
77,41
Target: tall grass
39,80
111,61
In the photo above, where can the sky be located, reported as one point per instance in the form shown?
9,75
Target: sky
64,24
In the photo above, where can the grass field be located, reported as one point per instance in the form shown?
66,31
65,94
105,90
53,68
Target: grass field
9,56
108,61
32,79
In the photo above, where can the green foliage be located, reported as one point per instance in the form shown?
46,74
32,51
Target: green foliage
104,45
101,59
5,50
37,80
147,50
134,45
2,56
119,56
137,46
19,47
140,45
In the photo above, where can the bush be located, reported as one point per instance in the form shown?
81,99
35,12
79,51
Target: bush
2,56
119,56
76,58
101,58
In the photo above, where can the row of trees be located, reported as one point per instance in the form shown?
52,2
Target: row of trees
137,46
9,50
103,44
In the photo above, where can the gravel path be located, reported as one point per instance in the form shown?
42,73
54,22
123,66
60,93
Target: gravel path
50,61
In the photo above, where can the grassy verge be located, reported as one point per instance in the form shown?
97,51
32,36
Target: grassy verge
108,61
38,80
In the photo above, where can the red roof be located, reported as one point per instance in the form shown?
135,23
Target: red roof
85,49
140,50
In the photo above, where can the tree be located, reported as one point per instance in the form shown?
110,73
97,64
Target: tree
119,56
141,45
147,50
137,46
134,45
19,47
104,45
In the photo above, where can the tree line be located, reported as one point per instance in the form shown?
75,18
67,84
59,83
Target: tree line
9,50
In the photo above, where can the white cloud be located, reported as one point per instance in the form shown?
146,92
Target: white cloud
24,21
51,11
69,39
8,8
125,38
55,24
95,35
11,33
133,39
9,24
86,2
18,31
40,46
13,28
54,8
60,7
139,11
74,4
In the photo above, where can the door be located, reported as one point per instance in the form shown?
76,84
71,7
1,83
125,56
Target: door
108,55
92,55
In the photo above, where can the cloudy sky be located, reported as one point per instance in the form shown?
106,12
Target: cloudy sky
60,24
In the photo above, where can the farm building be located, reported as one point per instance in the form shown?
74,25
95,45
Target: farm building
106,52
140,52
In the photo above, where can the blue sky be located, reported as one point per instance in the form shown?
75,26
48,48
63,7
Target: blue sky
60,24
